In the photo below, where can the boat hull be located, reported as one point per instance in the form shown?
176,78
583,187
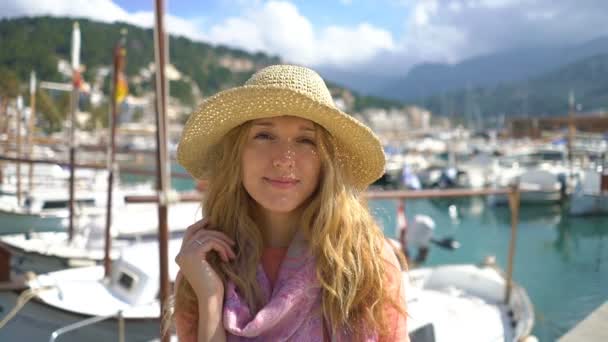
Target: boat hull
529,197
466,303
588,204
37,321
18,223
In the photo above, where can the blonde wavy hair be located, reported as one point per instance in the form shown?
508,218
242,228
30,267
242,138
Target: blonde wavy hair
347,243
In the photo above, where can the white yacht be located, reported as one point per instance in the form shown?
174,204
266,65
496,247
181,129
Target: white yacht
543,176
590,196
47,210
466,303
46,207
74,295
43,252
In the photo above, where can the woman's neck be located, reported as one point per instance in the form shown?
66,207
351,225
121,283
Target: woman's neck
278,229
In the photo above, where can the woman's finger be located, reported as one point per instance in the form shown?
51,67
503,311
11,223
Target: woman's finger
211,245
202,246
212,233
207,238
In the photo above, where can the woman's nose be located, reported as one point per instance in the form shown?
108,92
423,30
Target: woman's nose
285,157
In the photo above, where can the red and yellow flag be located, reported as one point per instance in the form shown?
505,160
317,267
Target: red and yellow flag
121,87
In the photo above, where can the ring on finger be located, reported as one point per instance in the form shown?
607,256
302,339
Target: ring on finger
199,242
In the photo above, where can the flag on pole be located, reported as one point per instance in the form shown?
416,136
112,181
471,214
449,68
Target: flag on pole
121,88
76,76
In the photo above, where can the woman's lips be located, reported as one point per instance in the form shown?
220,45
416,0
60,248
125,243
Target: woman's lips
282,183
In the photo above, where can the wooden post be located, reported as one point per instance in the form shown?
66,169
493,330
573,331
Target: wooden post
571,134
162,165
514,196
73,107
604,175
5,264
119,54
30,131
18,151
72,144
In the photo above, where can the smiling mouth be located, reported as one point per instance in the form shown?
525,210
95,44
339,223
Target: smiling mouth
282,183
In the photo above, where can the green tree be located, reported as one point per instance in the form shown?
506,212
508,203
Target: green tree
9,89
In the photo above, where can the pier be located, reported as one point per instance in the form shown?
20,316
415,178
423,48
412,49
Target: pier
591,329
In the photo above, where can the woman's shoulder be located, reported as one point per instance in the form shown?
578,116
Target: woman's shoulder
389,254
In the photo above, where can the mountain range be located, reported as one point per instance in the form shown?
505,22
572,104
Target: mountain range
524,81
502,67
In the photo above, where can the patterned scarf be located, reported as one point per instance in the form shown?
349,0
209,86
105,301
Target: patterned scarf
292,310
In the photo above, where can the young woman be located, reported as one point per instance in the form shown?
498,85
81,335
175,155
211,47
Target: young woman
287,249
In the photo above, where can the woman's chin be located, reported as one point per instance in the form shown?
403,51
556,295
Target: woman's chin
280,207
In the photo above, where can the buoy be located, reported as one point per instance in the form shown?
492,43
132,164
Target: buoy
489,260
453,211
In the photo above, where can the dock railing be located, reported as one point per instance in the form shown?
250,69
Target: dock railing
129,170
513,193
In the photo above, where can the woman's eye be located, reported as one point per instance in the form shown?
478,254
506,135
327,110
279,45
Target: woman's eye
263,136
308,141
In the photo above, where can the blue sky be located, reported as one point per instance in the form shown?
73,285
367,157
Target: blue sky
388,14
383,37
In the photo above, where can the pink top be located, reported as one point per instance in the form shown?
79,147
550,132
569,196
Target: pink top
272,257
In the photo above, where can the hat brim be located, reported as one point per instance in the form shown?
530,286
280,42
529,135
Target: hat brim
358,147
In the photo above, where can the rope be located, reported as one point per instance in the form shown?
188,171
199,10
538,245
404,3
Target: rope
23,298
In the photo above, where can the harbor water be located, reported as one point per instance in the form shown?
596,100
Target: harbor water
561,261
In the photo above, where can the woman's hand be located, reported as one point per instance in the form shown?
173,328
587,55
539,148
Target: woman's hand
192,259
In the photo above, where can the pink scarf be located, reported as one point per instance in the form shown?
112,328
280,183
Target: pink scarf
292,310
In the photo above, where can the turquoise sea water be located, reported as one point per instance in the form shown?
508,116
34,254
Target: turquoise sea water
562,261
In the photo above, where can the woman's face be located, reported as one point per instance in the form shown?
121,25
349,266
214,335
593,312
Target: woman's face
280,162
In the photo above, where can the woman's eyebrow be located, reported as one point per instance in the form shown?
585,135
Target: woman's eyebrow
307,129
270,124
264,124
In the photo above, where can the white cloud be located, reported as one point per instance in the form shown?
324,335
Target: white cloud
453,30
279,28
101,10
337,44
174,25
423,11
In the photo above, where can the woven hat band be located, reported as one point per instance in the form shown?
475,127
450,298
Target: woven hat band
298,79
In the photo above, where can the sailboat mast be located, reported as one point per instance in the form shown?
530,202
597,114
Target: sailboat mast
72,126
160,51
30,130
571,132
119,61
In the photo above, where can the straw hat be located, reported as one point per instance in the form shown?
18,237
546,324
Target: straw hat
275,91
